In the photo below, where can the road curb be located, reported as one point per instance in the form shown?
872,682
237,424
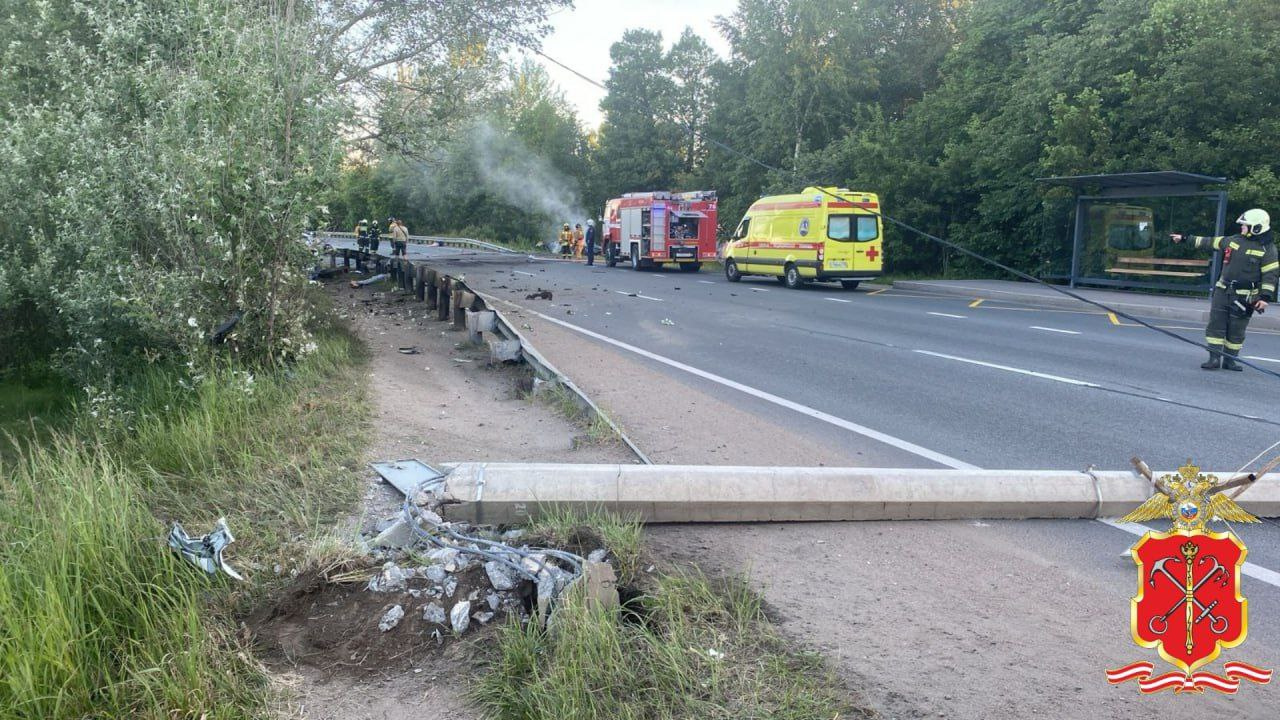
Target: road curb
1055,300
517,492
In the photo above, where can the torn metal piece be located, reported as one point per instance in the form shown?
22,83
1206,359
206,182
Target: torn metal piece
205,552
408,476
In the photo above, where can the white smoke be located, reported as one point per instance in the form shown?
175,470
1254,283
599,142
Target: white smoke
508,169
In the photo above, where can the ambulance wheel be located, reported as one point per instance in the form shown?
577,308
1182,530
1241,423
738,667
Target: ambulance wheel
849,284
791,276
731,271
635,258
611,256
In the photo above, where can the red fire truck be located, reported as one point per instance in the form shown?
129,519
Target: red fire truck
652,228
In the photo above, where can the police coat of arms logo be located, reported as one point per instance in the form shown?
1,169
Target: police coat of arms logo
1189,606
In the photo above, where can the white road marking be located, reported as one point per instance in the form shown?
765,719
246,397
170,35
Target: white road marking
1064,332
521,272
876,435
958,317
758,290
838,300
1263,359
657,275
1020,371
646,297
706,282
1257,572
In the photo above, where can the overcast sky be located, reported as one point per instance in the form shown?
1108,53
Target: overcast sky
581,37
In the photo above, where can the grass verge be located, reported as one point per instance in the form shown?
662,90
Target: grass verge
688,647
594,426
97,617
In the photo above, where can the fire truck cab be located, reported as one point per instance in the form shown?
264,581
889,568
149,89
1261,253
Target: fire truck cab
652,228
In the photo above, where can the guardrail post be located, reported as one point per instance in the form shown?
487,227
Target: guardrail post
346,260
420,285
442,299
432,289
333,259
406,275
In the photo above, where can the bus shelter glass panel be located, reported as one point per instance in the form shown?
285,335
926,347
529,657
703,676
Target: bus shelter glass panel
1126,242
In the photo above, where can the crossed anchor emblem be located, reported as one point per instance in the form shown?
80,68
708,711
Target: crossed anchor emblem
1218,624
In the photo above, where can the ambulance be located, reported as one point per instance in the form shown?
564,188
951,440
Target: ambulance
646,229
819,234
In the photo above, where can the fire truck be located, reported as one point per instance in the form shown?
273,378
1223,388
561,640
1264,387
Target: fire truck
652,228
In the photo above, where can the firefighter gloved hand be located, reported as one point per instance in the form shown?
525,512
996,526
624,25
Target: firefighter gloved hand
1178,237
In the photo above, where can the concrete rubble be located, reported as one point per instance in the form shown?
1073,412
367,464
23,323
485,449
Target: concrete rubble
455,574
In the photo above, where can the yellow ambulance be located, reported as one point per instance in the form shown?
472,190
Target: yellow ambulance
819,234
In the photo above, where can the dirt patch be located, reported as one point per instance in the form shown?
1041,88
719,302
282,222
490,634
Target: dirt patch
333,628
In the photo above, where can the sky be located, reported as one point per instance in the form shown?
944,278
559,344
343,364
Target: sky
581,37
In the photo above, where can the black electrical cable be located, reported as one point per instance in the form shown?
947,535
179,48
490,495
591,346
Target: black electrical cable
906,226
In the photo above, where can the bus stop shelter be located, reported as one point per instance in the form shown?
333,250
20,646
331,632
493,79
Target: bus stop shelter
1122,226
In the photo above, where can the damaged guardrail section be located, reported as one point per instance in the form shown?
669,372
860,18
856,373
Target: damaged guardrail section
514,492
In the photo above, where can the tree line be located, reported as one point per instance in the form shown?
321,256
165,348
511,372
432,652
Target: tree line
950,109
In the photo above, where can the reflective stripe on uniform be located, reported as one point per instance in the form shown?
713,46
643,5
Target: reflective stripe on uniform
1244,291
1233,346
1214,340
1233,245
1271,266
1268,286
1255,253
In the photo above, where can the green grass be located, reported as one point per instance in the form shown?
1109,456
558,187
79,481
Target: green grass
700,649
688,647
97,617
30,408
563,401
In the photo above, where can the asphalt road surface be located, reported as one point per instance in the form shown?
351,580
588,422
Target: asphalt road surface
917,380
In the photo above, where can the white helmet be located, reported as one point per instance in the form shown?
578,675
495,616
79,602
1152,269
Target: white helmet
1257,219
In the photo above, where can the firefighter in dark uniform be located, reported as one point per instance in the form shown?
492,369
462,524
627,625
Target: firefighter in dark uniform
1246,284
362,235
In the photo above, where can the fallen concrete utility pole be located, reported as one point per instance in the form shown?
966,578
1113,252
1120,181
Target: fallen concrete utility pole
512,492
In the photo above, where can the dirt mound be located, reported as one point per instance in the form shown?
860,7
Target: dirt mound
334,627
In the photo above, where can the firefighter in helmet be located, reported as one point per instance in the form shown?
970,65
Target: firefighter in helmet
566,241
1246,284
362,235
578,241
375,236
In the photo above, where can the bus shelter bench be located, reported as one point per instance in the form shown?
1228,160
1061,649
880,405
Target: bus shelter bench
1151,266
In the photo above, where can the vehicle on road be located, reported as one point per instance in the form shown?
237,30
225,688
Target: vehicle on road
819,234
647,229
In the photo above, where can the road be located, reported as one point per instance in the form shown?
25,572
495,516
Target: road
996,614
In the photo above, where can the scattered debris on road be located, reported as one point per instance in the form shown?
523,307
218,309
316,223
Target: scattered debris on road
540,295
668,321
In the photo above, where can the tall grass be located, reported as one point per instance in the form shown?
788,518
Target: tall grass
689,647
97,617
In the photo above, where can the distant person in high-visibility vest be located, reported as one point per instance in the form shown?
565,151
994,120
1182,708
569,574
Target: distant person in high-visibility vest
399,238
362,235
578,241
566,241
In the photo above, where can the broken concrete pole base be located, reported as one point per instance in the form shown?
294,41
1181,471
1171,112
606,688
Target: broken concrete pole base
600,584
499,576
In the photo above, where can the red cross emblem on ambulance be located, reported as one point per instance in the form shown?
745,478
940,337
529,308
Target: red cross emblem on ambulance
872,253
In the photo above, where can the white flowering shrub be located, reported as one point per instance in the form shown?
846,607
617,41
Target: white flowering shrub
159,160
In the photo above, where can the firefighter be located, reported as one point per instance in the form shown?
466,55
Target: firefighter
577,241
591,243
566,241
362,235
1246,284
375,235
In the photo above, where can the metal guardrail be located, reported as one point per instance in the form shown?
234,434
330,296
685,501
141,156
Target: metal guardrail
428,240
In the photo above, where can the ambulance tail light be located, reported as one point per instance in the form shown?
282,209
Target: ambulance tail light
820,254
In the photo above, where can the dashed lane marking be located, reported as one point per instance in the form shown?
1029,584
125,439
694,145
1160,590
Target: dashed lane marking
1020,371
958,317
521,272
838,300
1054,330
